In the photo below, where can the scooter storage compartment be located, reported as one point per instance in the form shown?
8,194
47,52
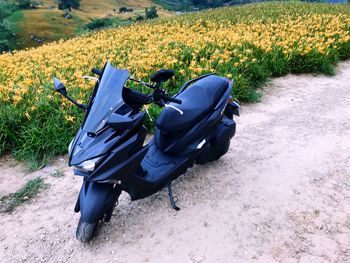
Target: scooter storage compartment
225,130
219,143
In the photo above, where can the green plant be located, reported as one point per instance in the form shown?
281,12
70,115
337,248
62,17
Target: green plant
99,23
24,194
68,4
27,4
57,174
6,33
151,12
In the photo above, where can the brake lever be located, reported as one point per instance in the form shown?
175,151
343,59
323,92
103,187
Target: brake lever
93,78
173,107
147,85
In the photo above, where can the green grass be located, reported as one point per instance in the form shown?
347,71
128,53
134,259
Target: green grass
57,174
15,17
10,202
59,29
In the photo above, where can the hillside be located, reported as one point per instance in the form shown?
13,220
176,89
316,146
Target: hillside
250,44
46,23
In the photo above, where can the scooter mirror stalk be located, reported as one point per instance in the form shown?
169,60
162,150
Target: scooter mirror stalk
60,88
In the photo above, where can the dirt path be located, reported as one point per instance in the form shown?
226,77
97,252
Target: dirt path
282,193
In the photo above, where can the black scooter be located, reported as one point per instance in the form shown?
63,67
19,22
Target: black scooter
109,152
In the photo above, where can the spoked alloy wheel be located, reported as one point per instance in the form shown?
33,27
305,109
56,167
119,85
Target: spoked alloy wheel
85,231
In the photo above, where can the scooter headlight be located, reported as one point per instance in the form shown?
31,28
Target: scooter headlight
89,165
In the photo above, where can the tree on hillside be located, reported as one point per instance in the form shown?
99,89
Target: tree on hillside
6,9
151,13
27,4
68,4
6,34
210,3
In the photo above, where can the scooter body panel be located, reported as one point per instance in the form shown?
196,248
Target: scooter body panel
124,159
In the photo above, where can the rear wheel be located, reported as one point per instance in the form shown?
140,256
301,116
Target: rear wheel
85,231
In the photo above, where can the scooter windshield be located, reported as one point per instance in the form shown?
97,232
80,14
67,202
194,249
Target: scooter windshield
107,99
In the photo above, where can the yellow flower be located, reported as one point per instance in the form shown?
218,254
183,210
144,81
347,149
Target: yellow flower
27,115
16,99
70,118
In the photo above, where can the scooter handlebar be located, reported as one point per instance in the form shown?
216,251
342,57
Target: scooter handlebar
96,71
171,99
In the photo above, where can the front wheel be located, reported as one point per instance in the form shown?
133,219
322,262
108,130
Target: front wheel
85,231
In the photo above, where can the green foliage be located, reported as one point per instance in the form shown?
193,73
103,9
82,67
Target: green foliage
151,12
6,9
27,4
68,4
106,22
44,137
57,174
6,34
24,194
99,23
124,9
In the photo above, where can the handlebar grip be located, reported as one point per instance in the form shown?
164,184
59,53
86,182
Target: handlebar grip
171,99
96,71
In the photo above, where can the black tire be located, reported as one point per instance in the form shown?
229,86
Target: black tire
85,231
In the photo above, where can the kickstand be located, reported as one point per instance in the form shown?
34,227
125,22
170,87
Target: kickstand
173,199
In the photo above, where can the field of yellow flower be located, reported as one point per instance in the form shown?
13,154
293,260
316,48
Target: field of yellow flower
250,43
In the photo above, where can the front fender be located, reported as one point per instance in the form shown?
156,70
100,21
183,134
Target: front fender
96,199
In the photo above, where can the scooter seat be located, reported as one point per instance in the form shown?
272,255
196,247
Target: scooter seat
197,101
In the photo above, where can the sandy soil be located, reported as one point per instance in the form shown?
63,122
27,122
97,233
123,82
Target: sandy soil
281,194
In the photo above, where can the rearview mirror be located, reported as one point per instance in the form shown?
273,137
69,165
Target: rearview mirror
162,75
59,86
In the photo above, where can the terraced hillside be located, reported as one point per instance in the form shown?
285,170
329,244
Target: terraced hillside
46,23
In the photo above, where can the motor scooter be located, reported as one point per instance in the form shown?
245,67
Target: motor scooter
109,150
